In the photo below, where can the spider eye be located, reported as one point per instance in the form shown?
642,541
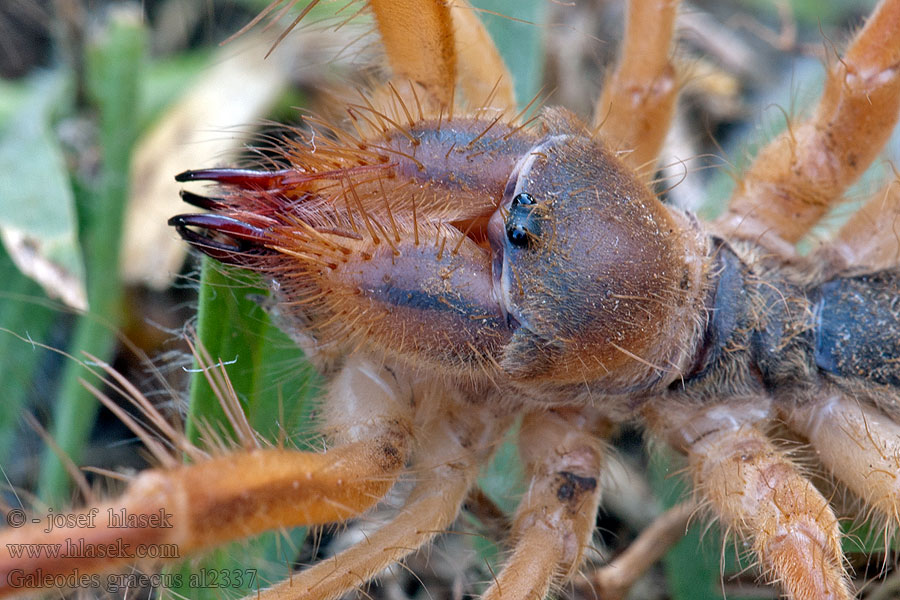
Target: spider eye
522,199
517,235
522,225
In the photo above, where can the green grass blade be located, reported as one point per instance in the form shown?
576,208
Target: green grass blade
113,72
23,314
274,385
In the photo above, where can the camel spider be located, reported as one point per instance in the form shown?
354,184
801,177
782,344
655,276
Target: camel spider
452,268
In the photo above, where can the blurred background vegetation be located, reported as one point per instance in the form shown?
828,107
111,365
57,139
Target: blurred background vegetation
103,102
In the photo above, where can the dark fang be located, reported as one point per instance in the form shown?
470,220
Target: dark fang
221,224
245,178
202,201
236,237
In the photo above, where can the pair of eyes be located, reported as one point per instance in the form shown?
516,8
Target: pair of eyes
522,224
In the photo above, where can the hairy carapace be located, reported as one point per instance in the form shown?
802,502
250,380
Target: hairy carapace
477,248
530,258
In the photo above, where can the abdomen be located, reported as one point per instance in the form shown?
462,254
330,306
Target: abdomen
857,326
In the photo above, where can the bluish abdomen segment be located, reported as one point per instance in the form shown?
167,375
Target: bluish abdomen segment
858,327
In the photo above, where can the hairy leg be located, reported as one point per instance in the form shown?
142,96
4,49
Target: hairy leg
446,466
555,518
638,99
613,581
802,173
858,444
871,238
243,493
483,77
418,38
439,45
758,494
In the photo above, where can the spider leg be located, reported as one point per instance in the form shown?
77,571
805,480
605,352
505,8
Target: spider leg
871,238
447,466
418,38
615,579
439,45
757,493
803,172
857,443
244,493
483,77
638,99
555,518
